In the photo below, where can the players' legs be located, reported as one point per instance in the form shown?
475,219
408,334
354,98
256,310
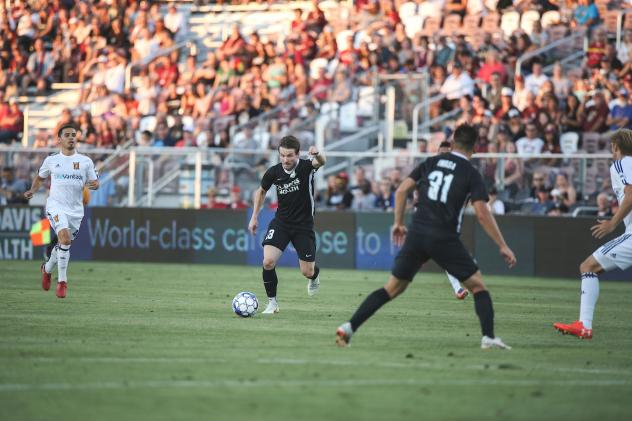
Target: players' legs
304,242
63,253
271,256
589,270
456,285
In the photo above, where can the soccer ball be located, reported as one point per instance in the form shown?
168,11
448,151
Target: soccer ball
245,304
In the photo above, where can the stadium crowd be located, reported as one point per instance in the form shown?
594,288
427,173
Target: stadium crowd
194,100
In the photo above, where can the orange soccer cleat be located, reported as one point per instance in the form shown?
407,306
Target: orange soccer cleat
461,294
61,289
576,329
45,277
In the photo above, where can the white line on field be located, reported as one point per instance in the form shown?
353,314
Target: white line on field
181,384
287,361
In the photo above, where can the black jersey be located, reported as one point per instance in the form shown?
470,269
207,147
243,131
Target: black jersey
295,192
445,183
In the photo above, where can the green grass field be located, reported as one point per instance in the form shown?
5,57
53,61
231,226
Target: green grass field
159,342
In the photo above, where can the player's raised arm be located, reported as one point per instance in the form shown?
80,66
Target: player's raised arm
401,194
319,159
488,222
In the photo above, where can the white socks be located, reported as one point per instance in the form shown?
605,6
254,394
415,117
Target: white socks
52,260
590,294
456,285
63,256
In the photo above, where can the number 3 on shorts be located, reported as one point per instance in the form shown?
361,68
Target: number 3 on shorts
270,235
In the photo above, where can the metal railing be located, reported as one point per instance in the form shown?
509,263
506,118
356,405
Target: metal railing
571,41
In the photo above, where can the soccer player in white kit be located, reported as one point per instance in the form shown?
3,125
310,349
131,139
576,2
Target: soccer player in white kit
614,254
69,172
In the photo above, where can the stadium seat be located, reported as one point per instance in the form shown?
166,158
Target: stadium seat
550,18
451,25
341,39
407,10
569,142
413,25
366,96
349,117
509,22
528,19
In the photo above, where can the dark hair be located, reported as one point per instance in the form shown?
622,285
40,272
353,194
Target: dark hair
66,126
445,144
290,142
466,136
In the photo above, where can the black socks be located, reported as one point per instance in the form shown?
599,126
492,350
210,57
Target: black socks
485,312
270,282
370,305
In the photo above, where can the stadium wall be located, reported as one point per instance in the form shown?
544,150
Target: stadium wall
545,246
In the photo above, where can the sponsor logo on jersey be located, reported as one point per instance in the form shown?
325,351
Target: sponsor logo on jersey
290,187
68,177
75,165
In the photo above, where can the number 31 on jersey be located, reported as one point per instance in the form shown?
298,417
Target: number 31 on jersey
439,183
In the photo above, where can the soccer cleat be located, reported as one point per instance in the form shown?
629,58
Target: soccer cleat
496,343
45,277
576,329
343,334
461,294
313,285
271,308
61,289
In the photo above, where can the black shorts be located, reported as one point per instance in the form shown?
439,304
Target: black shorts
446,250
303,239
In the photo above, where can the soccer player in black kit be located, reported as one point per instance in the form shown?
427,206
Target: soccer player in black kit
294,218
445,183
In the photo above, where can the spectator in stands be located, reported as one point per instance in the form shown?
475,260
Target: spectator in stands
537,184
12,189
562,85
385,199
11,121
175,22
458,84
564,192
457,7
570,116
621,112
491,66
534,81
211,200
340,198
585,14
551,139
341,89
604,208
40,67
495,205
506,111
363,196
593,113
623,53
236,202
493,94
514,171
531,144
596,49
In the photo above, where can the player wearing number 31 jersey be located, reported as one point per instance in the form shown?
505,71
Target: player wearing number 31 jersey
445,183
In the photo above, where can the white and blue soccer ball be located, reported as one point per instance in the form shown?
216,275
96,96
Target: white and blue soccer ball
245,304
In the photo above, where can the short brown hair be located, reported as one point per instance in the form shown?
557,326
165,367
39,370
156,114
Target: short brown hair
466,136
623,139
290,142
66,126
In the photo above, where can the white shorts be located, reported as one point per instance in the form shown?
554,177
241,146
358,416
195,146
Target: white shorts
59,220
616,253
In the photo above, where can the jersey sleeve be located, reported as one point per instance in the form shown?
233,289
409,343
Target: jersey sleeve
305,167
92,174
625,170
478,190
418,172
44,170
268,179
